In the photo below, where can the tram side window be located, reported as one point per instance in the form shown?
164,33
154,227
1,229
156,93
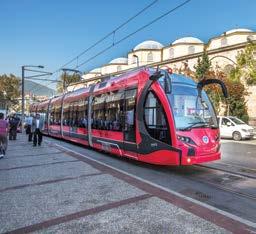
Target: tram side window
57,115
82,113
74,114
155,119
130,108
98,112
66,114
51,115
114,111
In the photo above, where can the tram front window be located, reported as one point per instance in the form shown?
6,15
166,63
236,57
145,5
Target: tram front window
189,110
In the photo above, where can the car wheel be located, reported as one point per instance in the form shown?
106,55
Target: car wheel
237,136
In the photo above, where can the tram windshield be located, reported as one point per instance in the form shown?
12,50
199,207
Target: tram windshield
189,110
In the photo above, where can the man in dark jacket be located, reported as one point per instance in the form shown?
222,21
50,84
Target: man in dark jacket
37,127
13,124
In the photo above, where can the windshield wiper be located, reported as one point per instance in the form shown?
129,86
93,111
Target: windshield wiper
202,124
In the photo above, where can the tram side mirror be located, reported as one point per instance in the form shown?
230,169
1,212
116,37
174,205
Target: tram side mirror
156,76
203,83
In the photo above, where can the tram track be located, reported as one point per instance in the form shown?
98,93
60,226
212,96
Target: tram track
223,187
226,189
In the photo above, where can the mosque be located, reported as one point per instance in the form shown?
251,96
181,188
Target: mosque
182,54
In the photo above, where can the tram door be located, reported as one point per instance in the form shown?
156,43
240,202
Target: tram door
130,147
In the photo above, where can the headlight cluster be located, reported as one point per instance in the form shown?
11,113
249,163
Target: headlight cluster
186,139
245,130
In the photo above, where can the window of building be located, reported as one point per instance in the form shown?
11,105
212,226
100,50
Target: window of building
171,53
134,60
250,38
224,41
155,119
150,57
119,68
191,49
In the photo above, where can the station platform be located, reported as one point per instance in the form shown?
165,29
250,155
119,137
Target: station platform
52,189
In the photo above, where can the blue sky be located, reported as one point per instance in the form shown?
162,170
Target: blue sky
51,32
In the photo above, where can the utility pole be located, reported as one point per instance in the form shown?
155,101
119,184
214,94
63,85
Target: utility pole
23,69
22,95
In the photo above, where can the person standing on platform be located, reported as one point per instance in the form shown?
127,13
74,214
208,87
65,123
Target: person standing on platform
13,124
3,135
29,121
37,127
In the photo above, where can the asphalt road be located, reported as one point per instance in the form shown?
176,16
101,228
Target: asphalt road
242,153
239,157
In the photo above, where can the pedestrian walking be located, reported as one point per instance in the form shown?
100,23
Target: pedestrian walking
3,135
13,125
37,127
28,122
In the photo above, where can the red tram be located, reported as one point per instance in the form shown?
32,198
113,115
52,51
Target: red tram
147,114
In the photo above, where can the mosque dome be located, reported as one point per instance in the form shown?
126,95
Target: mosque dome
95,70
237,30
187,40
149,45
120,60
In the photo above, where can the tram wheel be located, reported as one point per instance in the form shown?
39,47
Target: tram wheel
237,136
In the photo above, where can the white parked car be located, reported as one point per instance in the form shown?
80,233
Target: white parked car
232,127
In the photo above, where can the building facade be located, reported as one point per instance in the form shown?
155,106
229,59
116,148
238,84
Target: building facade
182,54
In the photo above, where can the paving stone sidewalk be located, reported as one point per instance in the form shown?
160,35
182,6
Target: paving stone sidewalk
47,190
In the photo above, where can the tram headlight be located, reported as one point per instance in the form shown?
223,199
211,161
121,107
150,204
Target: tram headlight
187,140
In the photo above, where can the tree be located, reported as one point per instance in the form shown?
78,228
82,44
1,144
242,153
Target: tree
9,88
246,65
67,79
236,104
236,99
203,67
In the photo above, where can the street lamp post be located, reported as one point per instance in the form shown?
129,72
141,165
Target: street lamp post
222,56
234,63
23,69
22,94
